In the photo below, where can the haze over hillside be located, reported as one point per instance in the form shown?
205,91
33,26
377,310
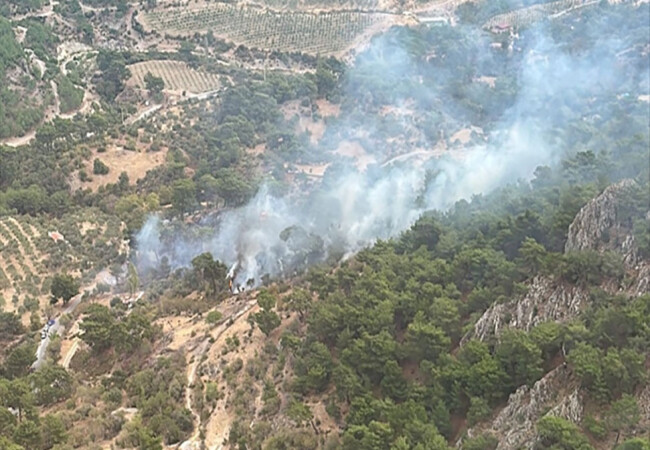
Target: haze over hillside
300,224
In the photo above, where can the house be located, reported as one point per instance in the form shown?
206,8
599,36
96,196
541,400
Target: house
500,28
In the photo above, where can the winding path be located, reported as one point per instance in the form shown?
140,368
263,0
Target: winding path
42,346
102,277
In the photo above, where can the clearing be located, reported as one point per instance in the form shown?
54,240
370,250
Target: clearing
136,164
354,150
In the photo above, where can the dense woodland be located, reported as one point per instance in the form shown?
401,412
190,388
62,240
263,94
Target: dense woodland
383,340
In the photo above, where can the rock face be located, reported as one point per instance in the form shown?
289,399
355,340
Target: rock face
546,300
515,424
596,218
597,226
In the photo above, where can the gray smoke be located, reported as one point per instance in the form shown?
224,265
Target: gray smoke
352,208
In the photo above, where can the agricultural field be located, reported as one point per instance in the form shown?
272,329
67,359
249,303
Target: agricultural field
29,256
321,33
347,4
526,16
20,261
177,75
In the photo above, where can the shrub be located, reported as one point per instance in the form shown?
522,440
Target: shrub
213,317
99,168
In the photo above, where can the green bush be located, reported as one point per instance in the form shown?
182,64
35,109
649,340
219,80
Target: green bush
99,168
213,317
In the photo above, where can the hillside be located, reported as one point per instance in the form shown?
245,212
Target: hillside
357,225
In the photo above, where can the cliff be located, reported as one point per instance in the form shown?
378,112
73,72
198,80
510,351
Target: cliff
599,226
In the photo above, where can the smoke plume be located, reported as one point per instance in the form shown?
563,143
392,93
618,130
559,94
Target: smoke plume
352,208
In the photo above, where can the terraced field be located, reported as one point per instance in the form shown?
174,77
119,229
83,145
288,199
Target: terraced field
28,256
307,4
526,16
20,262
177,75
322,33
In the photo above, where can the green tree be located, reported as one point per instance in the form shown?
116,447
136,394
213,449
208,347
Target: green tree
99,168
425,340
532,256
17,394
213,317
183,196
10,325
114,72
6,444
154,84
370,353
313,368
35,321
480,373
54,431
300,301
549,337
557,433
7,422
52,384
140,436
635,444
586,361
64,286
326,78
266,319
623,415
70,96
479,410
347,382
97,328
28,434
210,272
393,383
444,314
520,358
19,360
298,412
482,442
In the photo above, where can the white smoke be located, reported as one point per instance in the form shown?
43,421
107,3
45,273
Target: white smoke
275,235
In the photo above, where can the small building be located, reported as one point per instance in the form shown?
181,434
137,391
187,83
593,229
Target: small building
434,21
500,28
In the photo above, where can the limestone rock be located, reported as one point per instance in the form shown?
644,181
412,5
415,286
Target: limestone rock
546,300
556,394
597,226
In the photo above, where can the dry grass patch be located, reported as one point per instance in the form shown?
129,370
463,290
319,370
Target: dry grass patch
136,164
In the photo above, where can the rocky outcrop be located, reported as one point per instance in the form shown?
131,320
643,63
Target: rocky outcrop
546,300
556,394
597,226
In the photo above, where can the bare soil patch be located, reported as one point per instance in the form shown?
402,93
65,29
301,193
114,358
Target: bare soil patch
328,109
136,164
464,136
352,149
